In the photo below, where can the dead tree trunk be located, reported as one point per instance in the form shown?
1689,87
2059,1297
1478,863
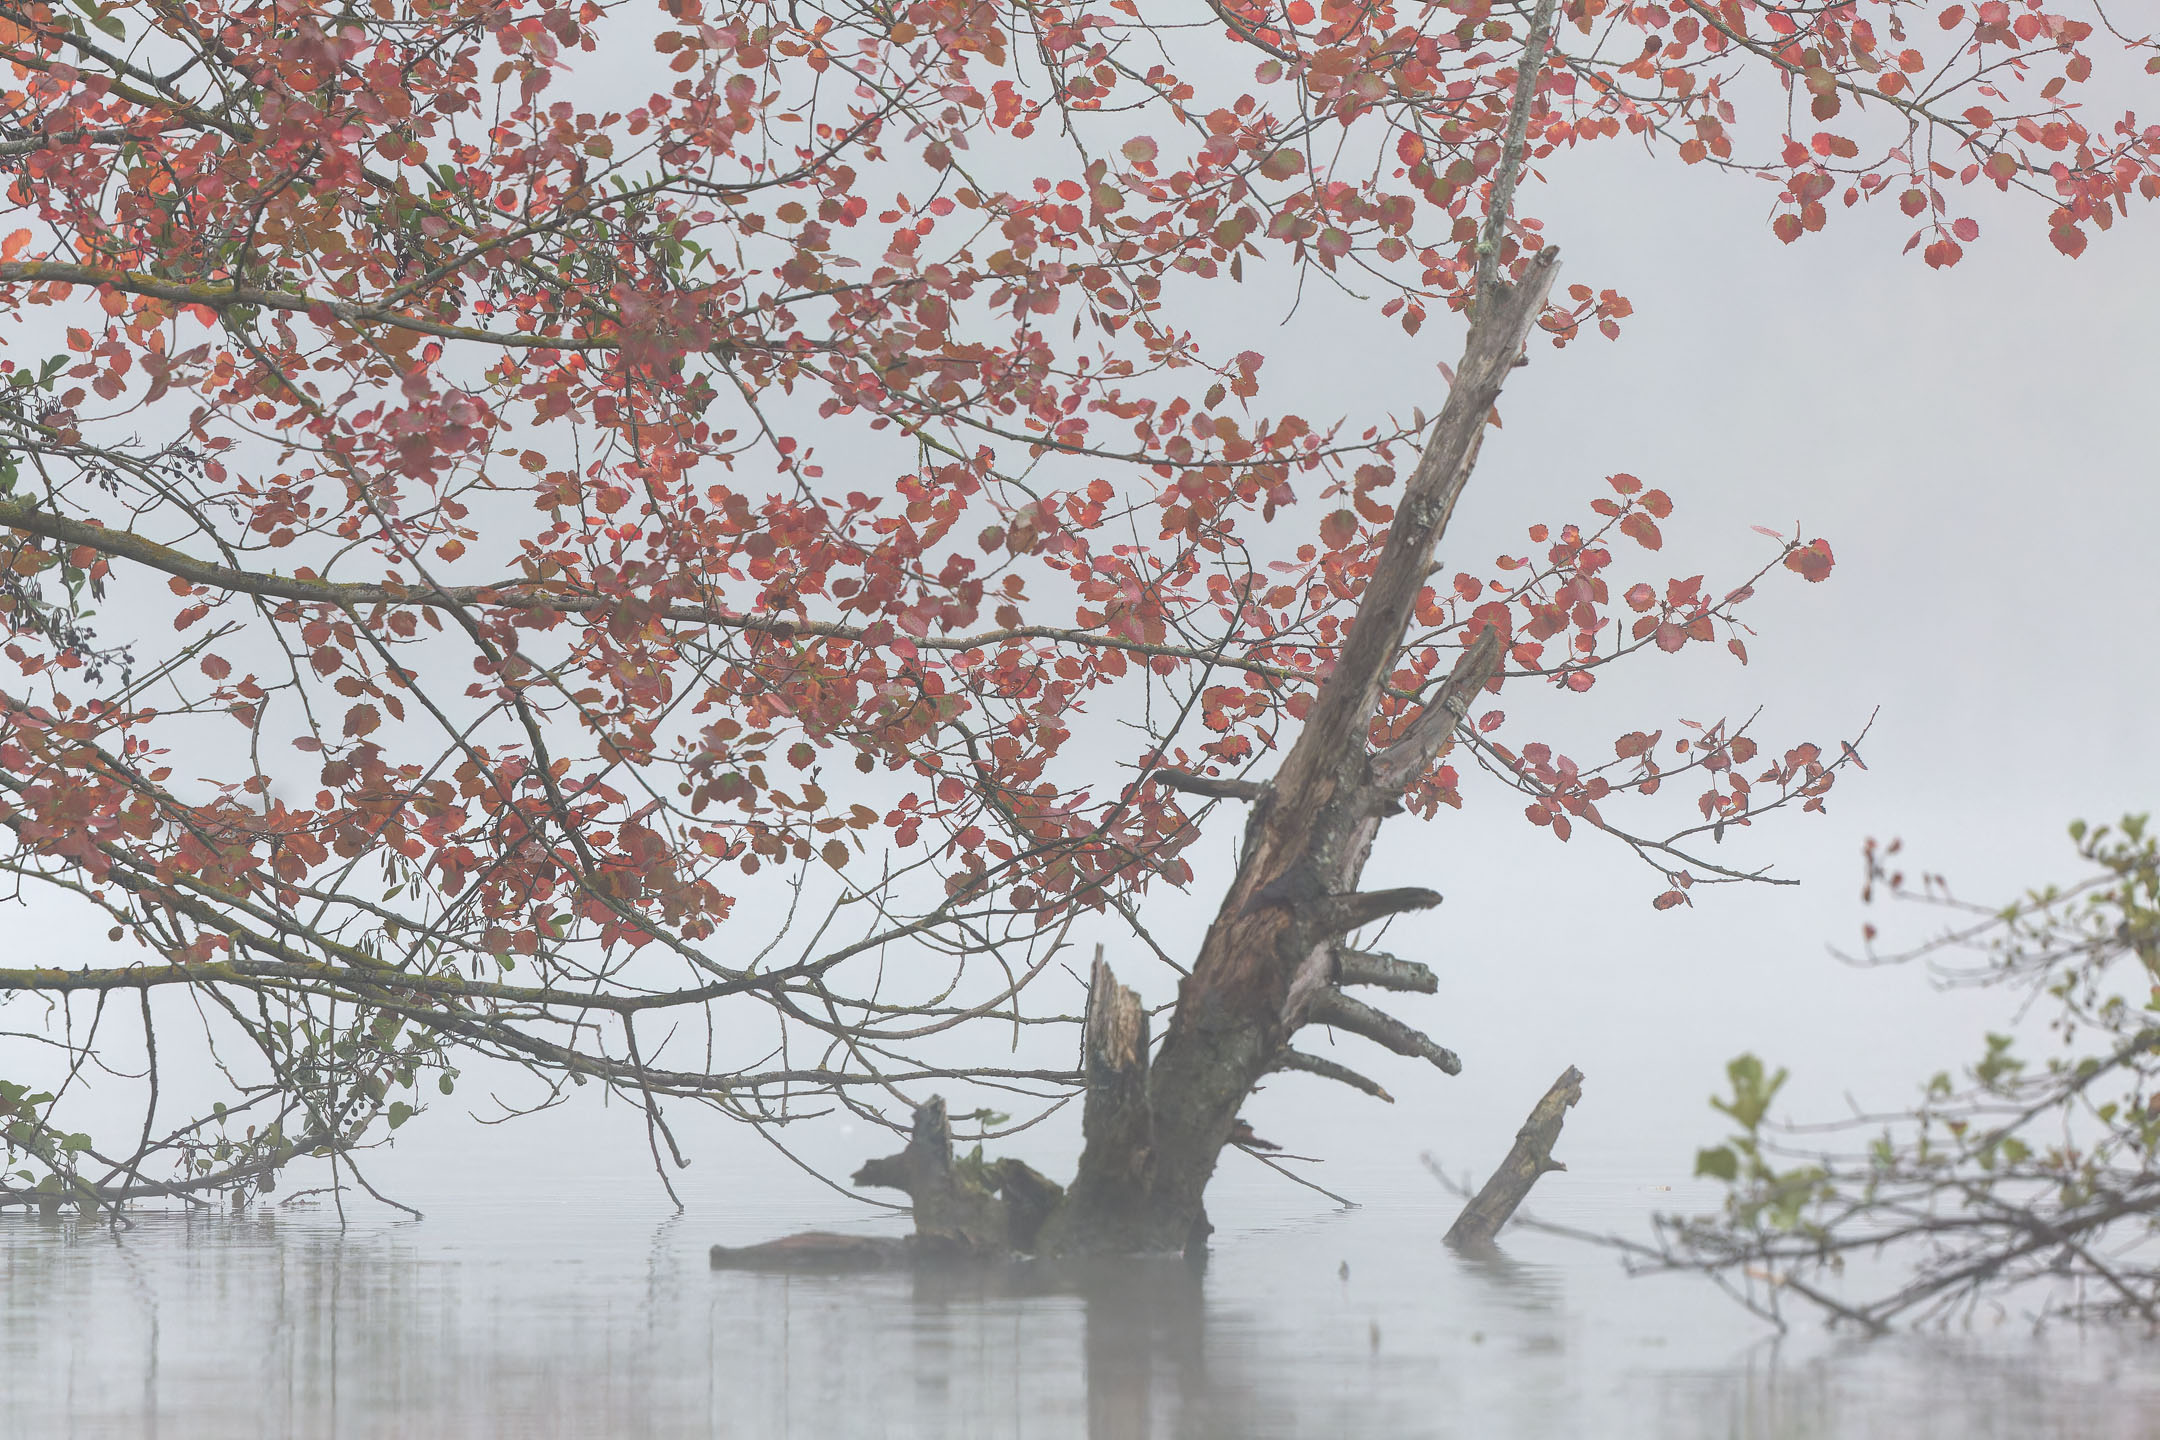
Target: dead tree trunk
1273,959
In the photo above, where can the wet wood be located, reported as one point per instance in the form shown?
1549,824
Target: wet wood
1481,1220
818,1250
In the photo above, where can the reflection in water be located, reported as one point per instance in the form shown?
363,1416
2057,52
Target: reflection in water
570,1323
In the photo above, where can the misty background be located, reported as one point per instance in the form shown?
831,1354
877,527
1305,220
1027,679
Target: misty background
1977,447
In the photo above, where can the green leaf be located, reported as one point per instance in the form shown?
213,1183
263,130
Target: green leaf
1718,1163
400,1112
1752,1093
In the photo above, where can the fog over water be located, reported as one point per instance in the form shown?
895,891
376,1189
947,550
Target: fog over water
1976,445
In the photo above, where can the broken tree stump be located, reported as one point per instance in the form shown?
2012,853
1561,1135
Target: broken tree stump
1492,1207
1109,1198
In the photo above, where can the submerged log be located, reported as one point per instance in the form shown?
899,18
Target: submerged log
1531,1156
818,1250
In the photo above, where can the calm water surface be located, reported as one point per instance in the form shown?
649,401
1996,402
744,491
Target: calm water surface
597,1318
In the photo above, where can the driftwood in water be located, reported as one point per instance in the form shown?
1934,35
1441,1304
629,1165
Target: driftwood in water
966,1205
1492,1207
965,1210
817,1250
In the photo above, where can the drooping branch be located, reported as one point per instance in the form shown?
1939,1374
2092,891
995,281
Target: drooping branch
1330,1070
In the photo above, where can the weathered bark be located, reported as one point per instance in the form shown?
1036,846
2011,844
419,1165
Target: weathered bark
1271,957
1366,967
1530,1157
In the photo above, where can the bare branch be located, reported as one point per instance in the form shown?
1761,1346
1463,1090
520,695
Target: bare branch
1332,1007
1330,1070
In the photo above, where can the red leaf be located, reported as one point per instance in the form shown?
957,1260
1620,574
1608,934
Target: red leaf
1669,899
1641,597
1811,561
1642,530
1338,529
2068,239
361,720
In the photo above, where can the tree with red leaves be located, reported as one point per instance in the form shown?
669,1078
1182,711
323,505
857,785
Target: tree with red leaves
578,465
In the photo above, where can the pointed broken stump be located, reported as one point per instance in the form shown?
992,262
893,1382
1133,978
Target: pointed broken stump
1481,1220
1109,1198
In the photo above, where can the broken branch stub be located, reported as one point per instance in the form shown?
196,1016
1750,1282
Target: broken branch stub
1370,967
1531,1156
